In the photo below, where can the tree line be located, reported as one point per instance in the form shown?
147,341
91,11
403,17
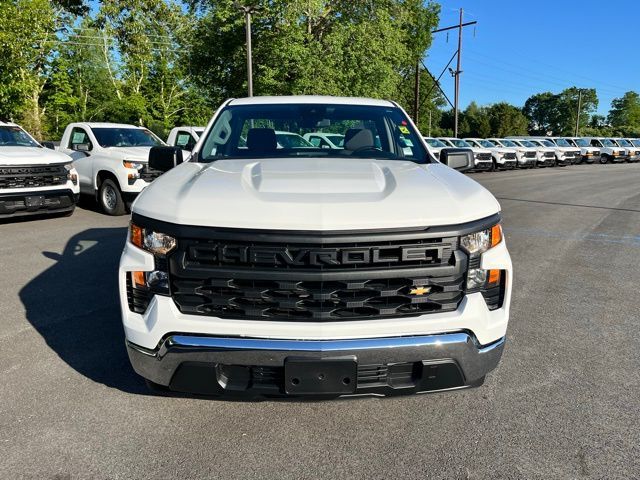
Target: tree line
160,63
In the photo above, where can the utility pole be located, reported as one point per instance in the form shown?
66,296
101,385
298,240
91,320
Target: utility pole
458,71
416,94
456,98
578,115
248,10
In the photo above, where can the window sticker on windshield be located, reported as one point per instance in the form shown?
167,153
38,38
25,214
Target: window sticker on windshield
404,129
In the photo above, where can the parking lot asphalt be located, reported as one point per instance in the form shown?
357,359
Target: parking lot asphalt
563,403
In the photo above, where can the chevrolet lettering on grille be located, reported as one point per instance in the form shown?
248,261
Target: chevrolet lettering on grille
301,257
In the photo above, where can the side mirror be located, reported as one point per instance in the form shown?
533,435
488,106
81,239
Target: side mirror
460,159
49,144
81,147
164,158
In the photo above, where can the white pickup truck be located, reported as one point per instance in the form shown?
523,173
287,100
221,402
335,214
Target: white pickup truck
258,270
482,156
588,153
526,156
33,179
111,160
503,158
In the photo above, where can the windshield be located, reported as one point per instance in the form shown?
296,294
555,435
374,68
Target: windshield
608,143
12,136
508,143
277,130
636,143
435,143
581,142
561,142
126,137
460,143
487,144
547,143
527,143
336,139
624,143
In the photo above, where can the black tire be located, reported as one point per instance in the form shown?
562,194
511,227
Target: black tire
494,166
110,198
604,159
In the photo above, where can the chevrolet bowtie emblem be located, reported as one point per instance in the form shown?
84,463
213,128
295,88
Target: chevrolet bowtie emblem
419,290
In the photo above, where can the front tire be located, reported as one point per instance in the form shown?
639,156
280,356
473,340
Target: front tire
110,198
604,159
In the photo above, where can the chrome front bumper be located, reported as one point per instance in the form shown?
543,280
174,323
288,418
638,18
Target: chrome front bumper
225,365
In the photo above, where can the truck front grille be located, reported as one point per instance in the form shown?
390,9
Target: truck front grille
530,154
510,156
32,176
483,156
276,278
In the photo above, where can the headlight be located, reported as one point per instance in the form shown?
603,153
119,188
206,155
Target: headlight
160,244
72,173
133,165
479,242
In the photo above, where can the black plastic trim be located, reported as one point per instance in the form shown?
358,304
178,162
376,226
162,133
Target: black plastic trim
312,236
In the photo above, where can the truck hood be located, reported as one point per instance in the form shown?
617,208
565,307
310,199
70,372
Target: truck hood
31,156
138,154
315,194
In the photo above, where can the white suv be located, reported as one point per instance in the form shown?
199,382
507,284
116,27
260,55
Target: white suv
112,161
609,150
33,179
482,156
526,156
503,158
255,270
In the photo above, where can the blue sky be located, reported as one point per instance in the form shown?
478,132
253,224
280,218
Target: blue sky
521,48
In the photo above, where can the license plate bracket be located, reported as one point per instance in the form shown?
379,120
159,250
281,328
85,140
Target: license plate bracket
34,201
320,376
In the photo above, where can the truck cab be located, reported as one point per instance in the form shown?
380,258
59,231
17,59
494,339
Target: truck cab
435,146
482,156
503,158
526,156
185,138
254,269
111,160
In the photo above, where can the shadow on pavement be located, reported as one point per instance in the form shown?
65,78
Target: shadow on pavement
74,306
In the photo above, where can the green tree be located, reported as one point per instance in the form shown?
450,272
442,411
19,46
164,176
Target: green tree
312,47
27,37
625,113
506,119
555,114
475,122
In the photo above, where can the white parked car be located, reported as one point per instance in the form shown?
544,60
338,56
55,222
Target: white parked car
546,155
588,154
482,156
609,150
34,179
325,140
503,158
559,153
111,160
526,156
253,270
185,137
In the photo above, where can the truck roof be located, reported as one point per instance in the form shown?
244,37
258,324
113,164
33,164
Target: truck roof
105,125
8,124
310,99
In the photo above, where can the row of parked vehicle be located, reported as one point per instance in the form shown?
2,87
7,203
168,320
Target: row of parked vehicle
532,152
109,161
